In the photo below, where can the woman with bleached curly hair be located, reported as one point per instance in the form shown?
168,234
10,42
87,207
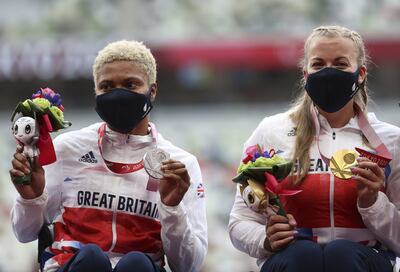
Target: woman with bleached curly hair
109,211
347,164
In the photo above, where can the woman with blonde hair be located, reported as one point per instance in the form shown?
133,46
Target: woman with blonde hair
347,216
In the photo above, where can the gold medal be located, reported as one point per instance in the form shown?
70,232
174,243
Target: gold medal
342,161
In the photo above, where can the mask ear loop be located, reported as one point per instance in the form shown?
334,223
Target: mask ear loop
152,127
362,82
149,92
357,85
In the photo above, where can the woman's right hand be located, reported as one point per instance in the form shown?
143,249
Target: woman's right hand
21,167
280,232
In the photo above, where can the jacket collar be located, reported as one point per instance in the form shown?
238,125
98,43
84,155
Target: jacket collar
352,124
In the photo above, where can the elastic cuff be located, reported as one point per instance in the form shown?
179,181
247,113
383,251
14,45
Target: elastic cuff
375,208
262,250
38,201
171,210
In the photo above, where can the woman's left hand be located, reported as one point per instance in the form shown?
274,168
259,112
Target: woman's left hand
175,183
370,179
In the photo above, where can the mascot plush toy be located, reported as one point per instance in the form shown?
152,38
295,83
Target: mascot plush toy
258,176
27,135
33,120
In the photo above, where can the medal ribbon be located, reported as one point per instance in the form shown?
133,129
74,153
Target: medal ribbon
117,167
383,156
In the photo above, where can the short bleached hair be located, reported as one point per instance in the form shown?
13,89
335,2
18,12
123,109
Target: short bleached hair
124,50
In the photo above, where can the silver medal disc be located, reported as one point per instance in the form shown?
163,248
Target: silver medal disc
153,161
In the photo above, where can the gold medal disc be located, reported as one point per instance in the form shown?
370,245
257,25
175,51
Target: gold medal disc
342,161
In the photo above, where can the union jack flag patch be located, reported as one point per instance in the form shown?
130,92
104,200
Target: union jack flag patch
200,190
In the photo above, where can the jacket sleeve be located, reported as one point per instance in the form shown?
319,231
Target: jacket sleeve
184,227
29,215
385,225
246,227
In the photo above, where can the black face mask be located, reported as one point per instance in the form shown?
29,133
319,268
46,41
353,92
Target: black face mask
331,89
122,109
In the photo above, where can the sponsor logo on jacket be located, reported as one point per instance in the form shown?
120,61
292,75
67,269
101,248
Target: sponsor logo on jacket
292,132
88,157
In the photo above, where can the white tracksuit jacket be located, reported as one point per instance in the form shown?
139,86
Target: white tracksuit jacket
88,203
327,208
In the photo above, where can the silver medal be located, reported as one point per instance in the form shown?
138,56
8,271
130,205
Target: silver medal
153,161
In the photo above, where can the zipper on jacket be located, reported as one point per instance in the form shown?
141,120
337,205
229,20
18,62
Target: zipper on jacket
113,228
334,135
114,231
331,205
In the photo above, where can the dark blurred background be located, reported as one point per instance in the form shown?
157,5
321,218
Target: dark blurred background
223,65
